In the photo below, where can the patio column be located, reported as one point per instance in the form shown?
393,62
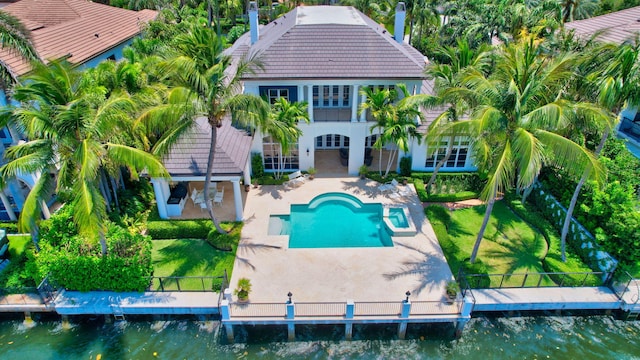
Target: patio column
159,186
247,172
310,102
356,103
237,198
363,114
7,205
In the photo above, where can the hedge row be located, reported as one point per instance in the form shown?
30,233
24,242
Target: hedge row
179,229
459,196
10,226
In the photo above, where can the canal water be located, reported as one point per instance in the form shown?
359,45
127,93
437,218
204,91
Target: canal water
596,337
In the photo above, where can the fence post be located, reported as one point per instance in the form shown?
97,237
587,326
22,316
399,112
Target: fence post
406,310
225,313
465,315
348,326
227,295
178,283
161,285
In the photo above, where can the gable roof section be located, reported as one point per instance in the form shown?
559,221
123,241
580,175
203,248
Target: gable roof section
617,27
189,156
330,42
77,29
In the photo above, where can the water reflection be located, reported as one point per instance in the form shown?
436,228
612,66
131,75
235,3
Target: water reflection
597,337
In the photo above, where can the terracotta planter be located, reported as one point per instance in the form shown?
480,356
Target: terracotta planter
247,188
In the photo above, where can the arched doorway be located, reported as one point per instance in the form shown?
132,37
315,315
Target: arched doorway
332,155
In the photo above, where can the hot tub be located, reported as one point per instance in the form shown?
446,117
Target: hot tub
398,221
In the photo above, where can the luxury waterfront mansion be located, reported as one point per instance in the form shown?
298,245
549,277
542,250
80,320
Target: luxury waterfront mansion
325,56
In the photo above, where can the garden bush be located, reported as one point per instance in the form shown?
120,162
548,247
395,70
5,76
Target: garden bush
257,166
610,212
405,166
223,242
76,264
552,261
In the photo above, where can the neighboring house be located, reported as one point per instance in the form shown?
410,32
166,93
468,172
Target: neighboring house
618,27
325,55
83,32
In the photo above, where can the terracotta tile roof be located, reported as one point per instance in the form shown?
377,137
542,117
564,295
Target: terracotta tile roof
617,27
189,156
79,29
320,42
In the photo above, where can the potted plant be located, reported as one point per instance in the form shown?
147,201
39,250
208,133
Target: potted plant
452,289
363,170
243,289
255,183
312,172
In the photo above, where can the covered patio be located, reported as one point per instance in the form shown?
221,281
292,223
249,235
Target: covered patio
182,196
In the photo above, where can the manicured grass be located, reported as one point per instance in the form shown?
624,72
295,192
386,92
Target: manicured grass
18,244
189,257
192,257
509,246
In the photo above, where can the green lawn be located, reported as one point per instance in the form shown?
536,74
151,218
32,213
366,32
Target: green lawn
189,257
509,246
18,244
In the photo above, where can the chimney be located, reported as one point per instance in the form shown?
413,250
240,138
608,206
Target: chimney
398,30
253,22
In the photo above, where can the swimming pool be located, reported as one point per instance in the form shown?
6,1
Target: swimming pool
332,220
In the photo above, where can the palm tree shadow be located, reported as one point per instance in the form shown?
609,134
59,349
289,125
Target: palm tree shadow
519,253
188,264
428,268
245,248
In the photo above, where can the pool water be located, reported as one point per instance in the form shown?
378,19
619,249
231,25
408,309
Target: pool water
397,218
333,220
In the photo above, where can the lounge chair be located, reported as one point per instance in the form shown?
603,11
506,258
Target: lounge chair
295,179
391,186
219,197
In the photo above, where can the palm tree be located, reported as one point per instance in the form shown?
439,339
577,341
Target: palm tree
615,85
73,127
17,39
395,113
282,126
379,102
199,64
515,122
448,76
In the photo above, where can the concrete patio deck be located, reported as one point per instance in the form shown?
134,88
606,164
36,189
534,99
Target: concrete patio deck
414,263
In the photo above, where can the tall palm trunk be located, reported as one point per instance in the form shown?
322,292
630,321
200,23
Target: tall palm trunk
392,155
574,198
380,163
440,164
207,178
485,222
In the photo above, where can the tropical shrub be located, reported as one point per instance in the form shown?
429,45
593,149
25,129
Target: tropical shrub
223,242
76,264
405,166
257,166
